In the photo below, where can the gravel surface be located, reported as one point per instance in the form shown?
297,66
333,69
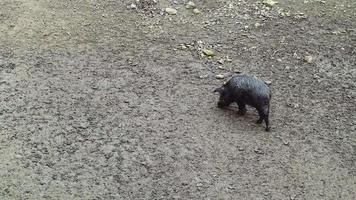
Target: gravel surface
113,99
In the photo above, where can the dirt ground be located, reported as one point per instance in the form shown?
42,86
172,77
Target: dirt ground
113,100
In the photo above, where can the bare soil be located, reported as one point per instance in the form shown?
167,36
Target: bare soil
99,100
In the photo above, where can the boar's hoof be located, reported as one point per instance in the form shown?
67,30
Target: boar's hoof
221,104
259,121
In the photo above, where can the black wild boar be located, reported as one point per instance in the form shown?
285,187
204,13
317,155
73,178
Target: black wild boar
246,90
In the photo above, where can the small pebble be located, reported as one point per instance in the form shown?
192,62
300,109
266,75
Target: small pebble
208,52
196,11
345,86
258,151
353,128
257,24
17,156
190,5
308,59
133,6
203,76
221,61
293,105
199,184
231,187
183,46
171,11
220,76
268,82
269,2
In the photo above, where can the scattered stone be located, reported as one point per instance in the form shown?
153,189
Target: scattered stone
199,185
203,76
345,86
293,105
221,61
84,125
269,2
241,149
268,82
258,151
353,128
220,76
108,149
257,24
308,59
183,46
18,156
196,11
279,60
177,197
228,59
171,11
286,143
208,52
231,187
133,6
220,67
190,5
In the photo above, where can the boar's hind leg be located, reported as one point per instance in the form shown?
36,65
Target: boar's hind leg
242,108
267,123
263,113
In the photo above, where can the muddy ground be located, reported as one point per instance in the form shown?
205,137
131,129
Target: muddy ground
111,100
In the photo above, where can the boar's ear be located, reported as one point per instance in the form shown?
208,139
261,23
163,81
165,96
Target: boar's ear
219,90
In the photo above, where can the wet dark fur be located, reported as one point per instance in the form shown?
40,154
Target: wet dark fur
246,90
